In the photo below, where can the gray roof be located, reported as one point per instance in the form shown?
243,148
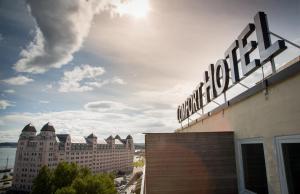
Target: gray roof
129,137
62,137
92,136
48,127
29,128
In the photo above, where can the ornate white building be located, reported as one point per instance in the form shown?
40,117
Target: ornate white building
47,148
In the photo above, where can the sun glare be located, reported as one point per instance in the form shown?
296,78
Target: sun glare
136,8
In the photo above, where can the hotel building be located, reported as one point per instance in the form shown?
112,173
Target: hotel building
243,138
48,148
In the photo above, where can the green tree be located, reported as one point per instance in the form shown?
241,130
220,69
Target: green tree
43,182
4,177
94,184
64,174
71,179
65,190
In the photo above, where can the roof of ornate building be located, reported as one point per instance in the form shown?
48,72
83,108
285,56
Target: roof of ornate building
29,128
48,127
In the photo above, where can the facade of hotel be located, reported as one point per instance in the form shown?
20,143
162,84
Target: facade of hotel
255,120
48,148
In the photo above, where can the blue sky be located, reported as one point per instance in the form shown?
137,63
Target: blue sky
86,67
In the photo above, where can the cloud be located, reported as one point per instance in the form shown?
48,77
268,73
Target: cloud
1,37
85,78
9,91
71,80
61,27
44,101
18,80
107,106
4,104
118,80
49,86
83,122
170,97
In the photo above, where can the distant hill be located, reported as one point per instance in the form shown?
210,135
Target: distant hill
9,144
139,146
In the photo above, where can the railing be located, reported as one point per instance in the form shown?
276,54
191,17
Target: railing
202,111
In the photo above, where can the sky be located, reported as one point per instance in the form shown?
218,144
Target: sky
116,66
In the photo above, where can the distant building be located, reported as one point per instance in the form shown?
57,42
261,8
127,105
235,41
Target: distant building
48,148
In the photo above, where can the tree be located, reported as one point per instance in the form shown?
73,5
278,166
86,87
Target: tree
4,177
70,179
94,184
43,182
65,190
64,174
139,163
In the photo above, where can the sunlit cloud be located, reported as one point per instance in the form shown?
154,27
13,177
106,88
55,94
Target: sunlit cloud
18,80
70,22
135,8
9,91
71,80
4,104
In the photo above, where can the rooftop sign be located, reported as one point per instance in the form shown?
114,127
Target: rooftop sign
216,79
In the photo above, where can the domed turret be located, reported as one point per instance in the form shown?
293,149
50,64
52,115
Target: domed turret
92,135
48,127
117,137
29,128
92,139
129,137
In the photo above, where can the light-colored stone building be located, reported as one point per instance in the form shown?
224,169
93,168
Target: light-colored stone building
48,148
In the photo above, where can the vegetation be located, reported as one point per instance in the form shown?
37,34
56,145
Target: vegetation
4,177
71,179
139,163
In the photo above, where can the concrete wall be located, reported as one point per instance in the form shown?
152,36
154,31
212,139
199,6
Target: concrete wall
260,116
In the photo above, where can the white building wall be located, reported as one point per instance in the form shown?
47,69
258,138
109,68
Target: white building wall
35,151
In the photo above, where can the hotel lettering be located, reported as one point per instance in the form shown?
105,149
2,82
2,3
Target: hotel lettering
216,78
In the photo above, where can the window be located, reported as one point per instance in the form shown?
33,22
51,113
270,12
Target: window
253,176
291,156
288,154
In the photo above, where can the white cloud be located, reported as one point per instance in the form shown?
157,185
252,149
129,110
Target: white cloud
71,80
118,80
18,80
85,78
49,86
97,84
83,122
171,97
4,104
101,117
44,101
62,26
9,91
107,106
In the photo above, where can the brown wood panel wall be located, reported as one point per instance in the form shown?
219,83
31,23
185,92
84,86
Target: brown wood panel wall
190,163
